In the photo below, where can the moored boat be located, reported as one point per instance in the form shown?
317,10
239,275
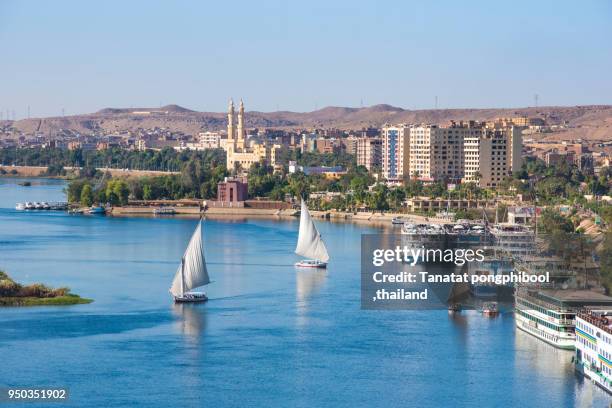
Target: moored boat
164,211
97,210
398,221
20,206
550,314
593,357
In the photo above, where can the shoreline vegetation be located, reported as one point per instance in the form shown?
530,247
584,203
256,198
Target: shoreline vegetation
37,294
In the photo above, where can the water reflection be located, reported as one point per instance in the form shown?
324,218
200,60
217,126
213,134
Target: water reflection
191,318
553,366
308,283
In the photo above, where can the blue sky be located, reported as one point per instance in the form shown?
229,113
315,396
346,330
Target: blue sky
83,56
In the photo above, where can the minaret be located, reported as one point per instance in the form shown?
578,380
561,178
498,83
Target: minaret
241,132
231,133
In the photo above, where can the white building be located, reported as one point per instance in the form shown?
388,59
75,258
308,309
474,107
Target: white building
395,152
209,140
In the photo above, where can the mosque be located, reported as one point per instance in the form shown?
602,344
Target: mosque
240,152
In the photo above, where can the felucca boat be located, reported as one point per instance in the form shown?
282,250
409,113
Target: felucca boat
310,244
192,271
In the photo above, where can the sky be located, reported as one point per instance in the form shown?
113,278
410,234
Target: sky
81,57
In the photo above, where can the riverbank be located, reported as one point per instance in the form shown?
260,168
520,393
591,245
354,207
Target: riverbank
363,217
15,294
40,171
66,300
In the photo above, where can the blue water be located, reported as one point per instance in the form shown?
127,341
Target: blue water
269,336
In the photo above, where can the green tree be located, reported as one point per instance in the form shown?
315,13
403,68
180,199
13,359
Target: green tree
551,221
86,195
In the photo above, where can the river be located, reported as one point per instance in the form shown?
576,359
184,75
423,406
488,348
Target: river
269,336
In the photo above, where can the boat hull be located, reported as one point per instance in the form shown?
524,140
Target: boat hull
191,297
556,341
310,263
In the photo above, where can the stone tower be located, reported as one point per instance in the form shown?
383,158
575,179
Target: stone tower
241,132
231,132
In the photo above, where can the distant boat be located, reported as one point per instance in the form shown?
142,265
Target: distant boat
454,308
96,210
164,211
490,309
29,206
310,244
398,221
20,206
192,271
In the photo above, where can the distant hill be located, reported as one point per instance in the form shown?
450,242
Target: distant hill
586,122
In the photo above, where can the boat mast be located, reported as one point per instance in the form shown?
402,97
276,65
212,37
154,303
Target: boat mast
183,276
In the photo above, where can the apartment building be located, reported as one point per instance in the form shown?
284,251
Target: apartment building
437,153
458,152
369,152
209,140
327,145
486,158
395,152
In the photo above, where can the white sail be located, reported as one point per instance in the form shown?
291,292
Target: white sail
310,244
192,271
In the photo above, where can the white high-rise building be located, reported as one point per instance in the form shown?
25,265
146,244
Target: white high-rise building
395,152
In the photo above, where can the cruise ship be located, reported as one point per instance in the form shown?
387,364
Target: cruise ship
594,347
515,239
550,314
444,235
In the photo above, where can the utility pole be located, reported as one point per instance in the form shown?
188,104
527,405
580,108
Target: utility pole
536,97
436,103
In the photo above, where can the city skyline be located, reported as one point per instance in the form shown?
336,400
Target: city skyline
62,57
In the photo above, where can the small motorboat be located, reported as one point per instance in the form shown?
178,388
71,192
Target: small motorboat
29,206
398,221
454,308
97,210
20,206
490,309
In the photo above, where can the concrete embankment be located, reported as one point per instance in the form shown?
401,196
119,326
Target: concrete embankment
183,210
333,216
39,171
